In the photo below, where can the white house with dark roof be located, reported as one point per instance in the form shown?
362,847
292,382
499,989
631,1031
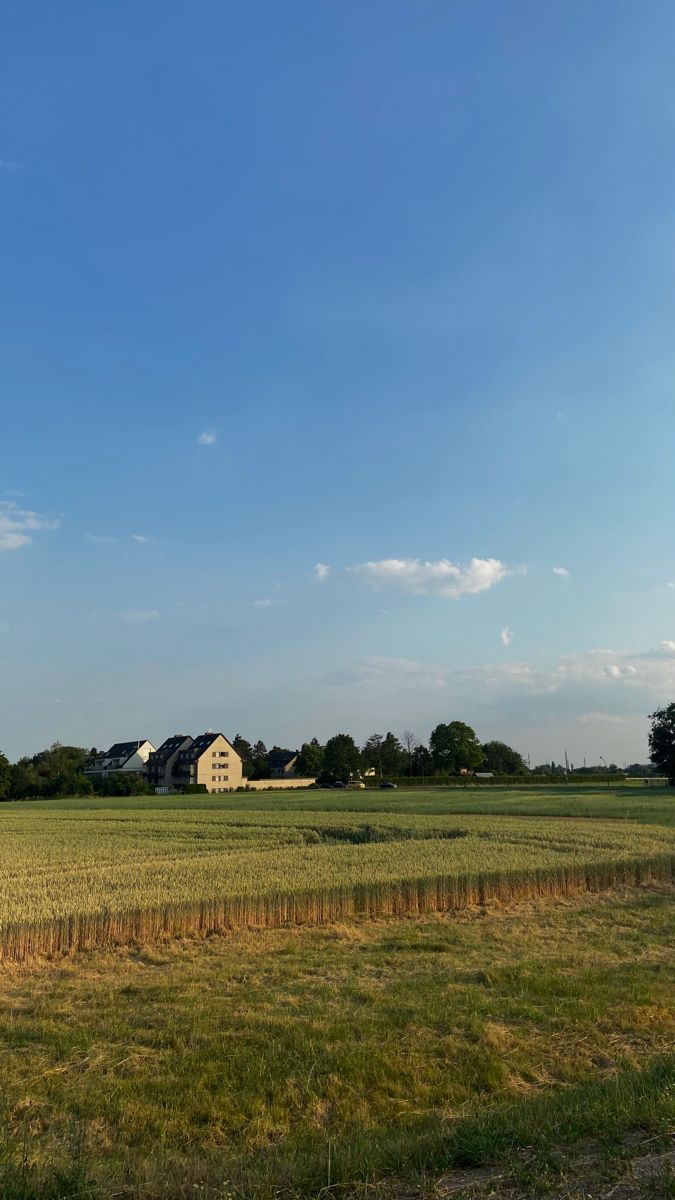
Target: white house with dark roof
122,756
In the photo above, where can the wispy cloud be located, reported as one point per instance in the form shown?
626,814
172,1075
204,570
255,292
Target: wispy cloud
141,538
138,615
611,674
268,602
100,539
321,571
506,636
17,525
207,437
8,167
600,718
441,578
562,572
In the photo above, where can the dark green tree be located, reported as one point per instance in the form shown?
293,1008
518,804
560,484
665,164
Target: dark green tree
245,751
310,760
393,757
410,744
341,759
24,780
421,761
59,770
5,776
455,747
372,752
662,741
261,768
121,783
502,759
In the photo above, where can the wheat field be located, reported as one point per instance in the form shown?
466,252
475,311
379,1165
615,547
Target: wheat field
77,879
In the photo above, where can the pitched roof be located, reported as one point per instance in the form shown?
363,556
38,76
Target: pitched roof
124,749
168,747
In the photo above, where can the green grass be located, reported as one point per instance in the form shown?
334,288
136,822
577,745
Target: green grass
283,1062
357,1060
633,802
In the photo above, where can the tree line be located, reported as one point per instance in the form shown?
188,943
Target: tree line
451,749
59,770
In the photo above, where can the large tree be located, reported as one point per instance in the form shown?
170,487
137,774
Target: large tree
662,741
310,759
454,748
261,767
245,751
5,775
502,759
341,759
421,762
410,744
60,770
393,758
372,752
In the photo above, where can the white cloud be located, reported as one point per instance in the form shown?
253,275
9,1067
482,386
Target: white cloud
669,645
637,678
137,615
506,636
441,578
321,571
140,537
670,584
100,539
17,524
561,571
207,438
8,167
600,718
268,602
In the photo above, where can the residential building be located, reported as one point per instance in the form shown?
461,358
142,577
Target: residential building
282,764
160,765
122,756
210,760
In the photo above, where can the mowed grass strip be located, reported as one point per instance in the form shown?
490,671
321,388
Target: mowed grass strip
365,1058
73,879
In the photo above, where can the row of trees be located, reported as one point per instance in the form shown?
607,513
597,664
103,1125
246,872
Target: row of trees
451,748
58,771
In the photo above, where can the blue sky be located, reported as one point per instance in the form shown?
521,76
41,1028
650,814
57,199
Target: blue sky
386,287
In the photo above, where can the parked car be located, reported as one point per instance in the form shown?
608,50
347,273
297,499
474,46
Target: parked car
387,784
339,784
356,784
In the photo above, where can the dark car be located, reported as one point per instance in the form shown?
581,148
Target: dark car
387,784
338,784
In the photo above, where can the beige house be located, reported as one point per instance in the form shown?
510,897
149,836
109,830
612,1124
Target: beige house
210,760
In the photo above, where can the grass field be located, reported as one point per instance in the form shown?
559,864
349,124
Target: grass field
516,1043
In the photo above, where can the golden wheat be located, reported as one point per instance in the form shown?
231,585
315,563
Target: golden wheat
73,879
